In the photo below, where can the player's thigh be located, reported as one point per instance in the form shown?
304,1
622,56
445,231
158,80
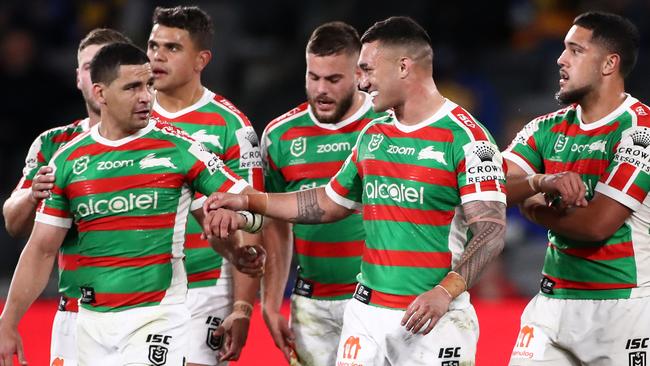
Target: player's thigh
451,342
94,346
317,326
161,339
208,307
360,342
63,347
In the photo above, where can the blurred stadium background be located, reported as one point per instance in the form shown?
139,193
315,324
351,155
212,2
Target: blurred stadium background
496,58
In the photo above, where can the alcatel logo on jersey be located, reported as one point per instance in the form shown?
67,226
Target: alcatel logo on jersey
591,148
333,147
118,204
108,165
298,146
395,192
400,150
151,161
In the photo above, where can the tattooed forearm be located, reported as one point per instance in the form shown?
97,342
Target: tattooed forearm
309,212
487,222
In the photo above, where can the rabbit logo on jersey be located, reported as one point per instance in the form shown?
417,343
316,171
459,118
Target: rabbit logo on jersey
483,162
633,148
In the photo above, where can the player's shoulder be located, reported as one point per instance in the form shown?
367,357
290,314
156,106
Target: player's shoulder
463,124
229,112
287,119
163,130
555,117
640,113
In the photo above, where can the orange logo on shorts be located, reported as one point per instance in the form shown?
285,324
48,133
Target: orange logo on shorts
351,345
57,362
526,331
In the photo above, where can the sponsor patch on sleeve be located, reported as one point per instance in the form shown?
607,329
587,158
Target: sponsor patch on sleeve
250,155
483,162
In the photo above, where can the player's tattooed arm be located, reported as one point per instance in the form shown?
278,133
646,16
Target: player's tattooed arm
309,211
486,220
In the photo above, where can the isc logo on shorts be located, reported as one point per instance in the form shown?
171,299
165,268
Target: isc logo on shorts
214,343
158,352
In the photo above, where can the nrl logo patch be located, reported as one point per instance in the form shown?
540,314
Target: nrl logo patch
158,355
80,165
560,143
298,146
375,141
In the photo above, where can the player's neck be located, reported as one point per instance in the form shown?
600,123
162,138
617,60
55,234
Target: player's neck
93,118
357,102
422,101
181,97
600,103
111,129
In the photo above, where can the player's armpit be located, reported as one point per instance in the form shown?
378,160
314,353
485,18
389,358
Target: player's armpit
486,220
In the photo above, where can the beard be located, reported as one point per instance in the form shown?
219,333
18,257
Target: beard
572,96
341,109
91,103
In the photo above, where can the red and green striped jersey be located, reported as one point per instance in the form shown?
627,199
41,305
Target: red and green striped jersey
410,182
40,153
300,153
612,158
222,128
129,199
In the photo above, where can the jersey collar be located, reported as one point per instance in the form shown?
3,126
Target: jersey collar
447,107
627,103
205,99
94,132
365,106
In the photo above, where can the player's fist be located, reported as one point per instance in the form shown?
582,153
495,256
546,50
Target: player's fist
43,183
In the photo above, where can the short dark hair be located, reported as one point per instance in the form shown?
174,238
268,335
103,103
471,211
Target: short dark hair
397,31
333,38
102,36
190,18
105,65
614,32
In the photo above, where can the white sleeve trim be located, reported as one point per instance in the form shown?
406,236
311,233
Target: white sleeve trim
342,201
238,187
518,160
53,220
483,196
197,203
618,196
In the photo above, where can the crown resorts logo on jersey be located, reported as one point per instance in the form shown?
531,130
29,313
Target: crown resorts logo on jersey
430,153
298,146
151,161
208,158
250,155
204,137
375,141
80,165
482,162
633,148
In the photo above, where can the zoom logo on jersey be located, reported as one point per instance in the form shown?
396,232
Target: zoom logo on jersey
400,150
158,352
108,164
396,192
483,162
333,147
118,204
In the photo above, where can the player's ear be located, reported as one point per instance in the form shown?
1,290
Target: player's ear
202,60
78,79
405,65
98,93
612,64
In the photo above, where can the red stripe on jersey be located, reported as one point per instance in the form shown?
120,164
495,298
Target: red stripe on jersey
258,179
195,118
581,166
325,249
65,137
70,304
194,241
621,176
467,120
600,253
115,184
286,115
54,211
311,170
468,189
402,214
331,289
642,114
142,143
390,300
121,223
195,170
272,163
39,157
427,133
72,262
573,129
23,184
231,107
338,188
232,153
213,274
416,173
579,285
308,131
134,298
637,192
407,258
